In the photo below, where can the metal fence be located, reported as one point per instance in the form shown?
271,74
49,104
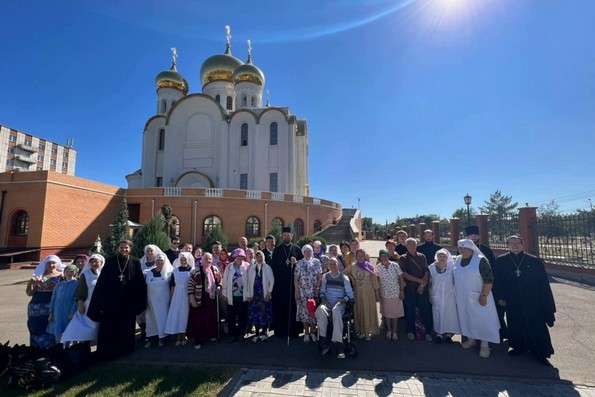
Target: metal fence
567,239
500,227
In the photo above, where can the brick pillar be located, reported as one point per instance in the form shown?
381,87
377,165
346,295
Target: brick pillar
411,231
528,229
482,222
455,231
421,227
436,230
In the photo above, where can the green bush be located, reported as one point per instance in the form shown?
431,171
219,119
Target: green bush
151,233
119,229
304,240
215,235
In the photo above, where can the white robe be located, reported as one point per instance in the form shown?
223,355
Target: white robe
81,328
444,304
158,304
177,316
477,322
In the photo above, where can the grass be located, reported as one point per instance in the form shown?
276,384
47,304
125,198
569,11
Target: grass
117,379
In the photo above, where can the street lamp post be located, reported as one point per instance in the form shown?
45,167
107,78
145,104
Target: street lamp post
467,199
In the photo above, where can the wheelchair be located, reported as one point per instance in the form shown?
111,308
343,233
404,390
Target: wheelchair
347,346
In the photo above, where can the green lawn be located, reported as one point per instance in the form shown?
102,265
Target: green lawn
135,380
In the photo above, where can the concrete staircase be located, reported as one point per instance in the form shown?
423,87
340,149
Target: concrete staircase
342,230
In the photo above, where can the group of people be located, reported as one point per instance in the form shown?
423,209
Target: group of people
182,293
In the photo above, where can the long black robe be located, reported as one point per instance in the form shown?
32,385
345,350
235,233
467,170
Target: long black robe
283,297
115,305
530,306
268,256
429,249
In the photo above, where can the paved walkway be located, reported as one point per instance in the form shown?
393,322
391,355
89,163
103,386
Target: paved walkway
262,382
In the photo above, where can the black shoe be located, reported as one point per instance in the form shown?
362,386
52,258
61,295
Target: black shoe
515,352
438,339
447,339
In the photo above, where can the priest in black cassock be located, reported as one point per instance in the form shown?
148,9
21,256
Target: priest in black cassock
119,296
285,256
530,308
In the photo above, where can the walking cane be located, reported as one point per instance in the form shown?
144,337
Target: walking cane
291,287
218,319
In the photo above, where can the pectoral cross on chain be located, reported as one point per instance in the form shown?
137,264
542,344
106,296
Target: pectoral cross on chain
121,277
518,272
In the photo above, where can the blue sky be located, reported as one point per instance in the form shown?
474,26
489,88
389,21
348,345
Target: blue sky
410,103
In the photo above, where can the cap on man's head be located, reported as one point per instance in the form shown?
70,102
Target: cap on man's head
473,229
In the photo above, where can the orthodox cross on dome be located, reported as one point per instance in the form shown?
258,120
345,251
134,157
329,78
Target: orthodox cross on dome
228,39
249,51
174,58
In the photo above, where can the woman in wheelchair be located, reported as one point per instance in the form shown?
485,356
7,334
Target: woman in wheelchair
335,294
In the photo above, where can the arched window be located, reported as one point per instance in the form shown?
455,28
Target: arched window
277,223
252,227
273,139
253,101
211,223
161,144
20,223
298,227
229,103
244,135
218,99
244,100
163,106
317,225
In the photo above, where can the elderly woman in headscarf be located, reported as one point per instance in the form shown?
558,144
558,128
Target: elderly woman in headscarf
62,304
177,316
202,295
147,261
81,328
158,298
473,279
366,287
307,281
442,297
392,291
234,282
45,278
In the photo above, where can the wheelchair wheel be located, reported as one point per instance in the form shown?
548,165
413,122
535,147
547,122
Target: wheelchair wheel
350,349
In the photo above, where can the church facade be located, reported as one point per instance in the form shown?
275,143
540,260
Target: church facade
224,136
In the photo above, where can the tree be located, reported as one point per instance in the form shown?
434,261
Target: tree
499,205
119,229
216,234
461,213
367,224
151,233
551,208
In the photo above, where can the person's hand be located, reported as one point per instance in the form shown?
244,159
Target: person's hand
501,302
248,299
267,298
50,317
401,295
193,302
293,260
420,289
483,300
81,307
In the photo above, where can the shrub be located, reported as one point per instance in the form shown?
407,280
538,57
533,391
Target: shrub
151,233
214,235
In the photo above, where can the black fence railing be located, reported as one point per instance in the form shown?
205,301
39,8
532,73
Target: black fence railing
567,239
500,227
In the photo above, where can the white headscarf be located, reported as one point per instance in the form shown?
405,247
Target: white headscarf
40,269
156,250
167,268
469,244
449,259
307,247
99,257
189,260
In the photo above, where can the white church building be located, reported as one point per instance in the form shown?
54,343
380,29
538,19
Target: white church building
222,137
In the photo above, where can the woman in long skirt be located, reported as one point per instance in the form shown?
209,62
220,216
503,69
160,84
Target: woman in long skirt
40,287
259,287
177,317
307,280
158,298
366,287
62,304
442,297
202,292
81,328
392,286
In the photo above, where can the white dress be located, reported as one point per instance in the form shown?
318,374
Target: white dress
81,328
444,304
158,304
477,322
177,317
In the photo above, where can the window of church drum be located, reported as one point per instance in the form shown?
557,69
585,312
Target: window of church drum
273,139
317,226
277,223
20,223
244,181
273,182
298,227
158,181
245,101
252,227
161,145
253,101
211,223
229,104
244,135
218,99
